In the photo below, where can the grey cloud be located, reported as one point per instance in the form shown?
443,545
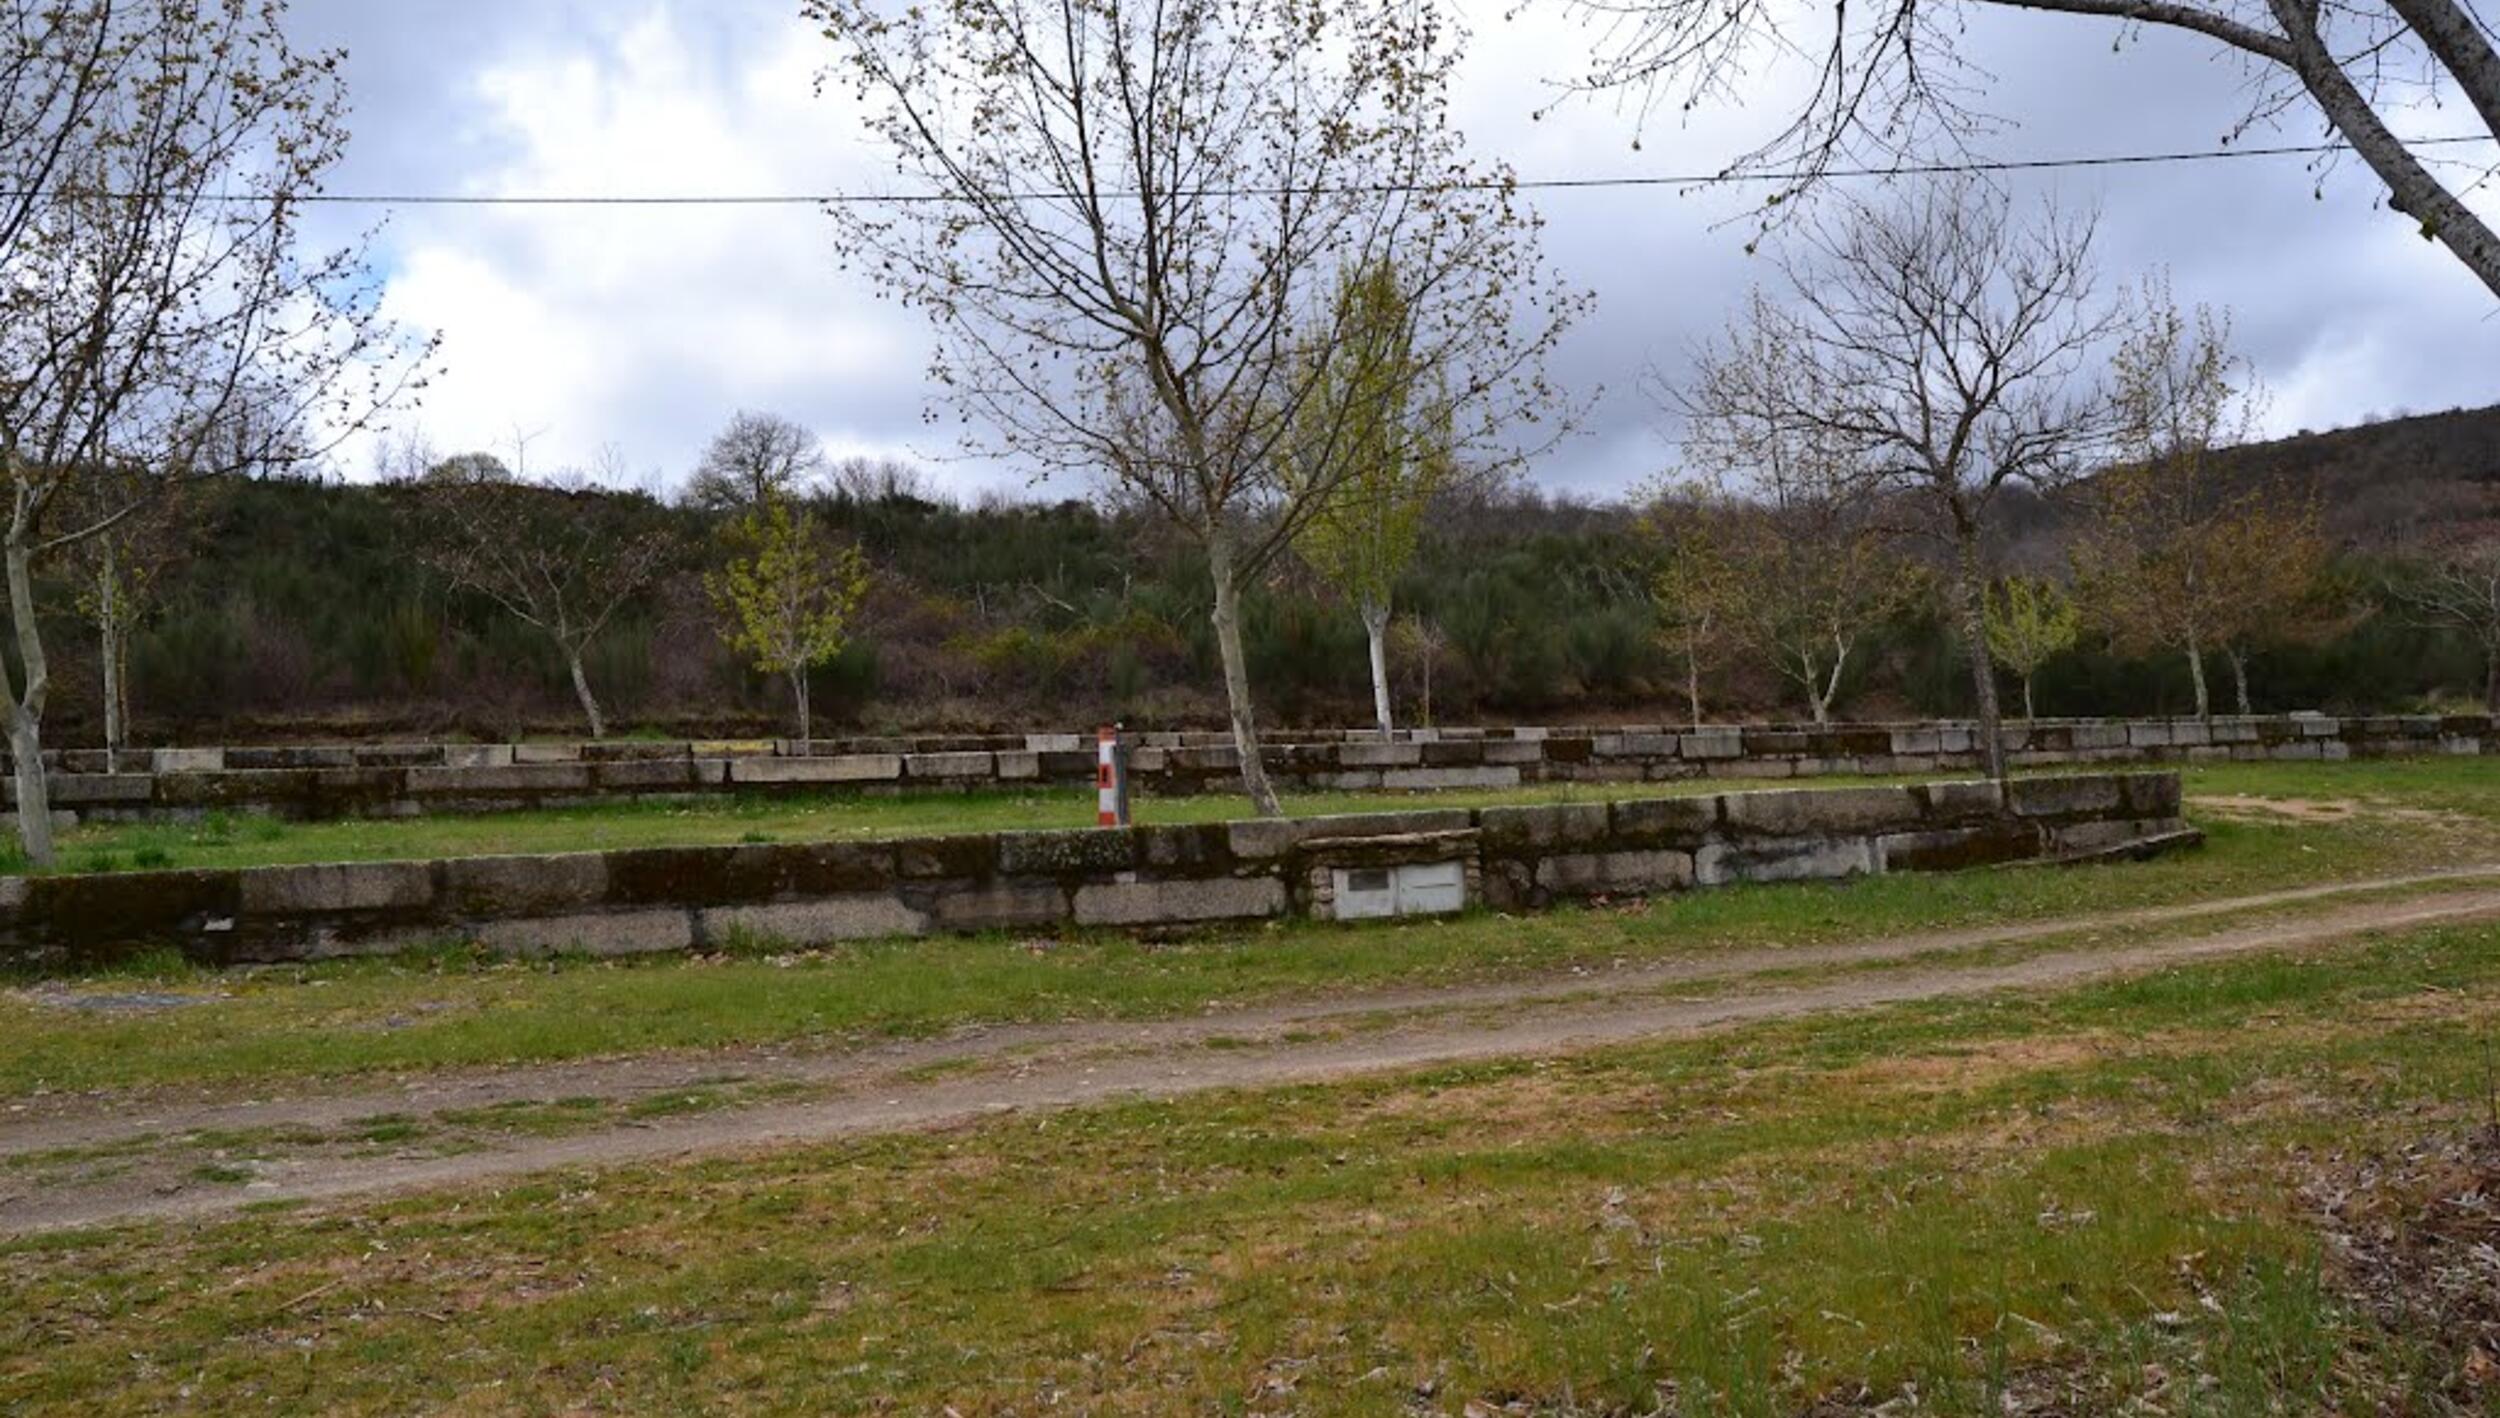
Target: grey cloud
2343,309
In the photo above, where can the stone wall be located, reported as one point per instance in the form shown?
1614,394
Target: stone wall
411,779
667,899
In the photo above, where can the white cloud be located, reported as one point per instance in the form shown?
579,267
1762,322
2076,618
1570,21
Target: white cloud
645,328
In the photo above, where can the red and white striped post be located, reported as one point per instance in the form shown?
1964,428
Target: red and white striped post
1110,780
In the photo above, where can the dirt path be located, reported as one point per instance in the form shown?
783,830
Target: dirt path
89,1120
1005,1070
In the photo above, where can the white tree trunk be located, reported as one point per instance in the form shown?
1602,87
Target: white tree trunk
581,691
1692,675
1811,678
109,650
2029,713
2239,678
1245,724
2196,676
798,694
1376,627
1831,687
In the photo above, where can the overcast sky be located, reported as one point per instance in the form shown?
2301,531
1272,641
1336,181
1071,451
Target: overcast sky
643,330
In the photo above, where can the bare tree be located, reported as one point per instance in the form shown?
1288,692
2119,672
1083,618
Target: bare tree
2455,586
1145,207
756,458
562,559
1934,350
1891,81
865,479
155,311
1422,645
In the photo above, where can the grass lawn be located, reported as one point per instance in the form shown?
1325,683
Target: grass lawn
243,839
228,840
247,840
2094,1198
455,1008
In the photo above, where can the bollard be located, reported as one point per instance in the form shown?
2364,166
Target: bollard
1111,780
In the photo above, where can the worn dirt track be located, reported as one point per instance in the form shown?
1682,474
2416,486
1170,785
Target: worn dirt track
1027,1068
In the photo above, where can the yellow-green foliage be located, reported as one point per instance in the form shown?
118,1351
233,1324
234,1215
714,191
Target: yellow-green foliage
1376,448
791,594
2031,623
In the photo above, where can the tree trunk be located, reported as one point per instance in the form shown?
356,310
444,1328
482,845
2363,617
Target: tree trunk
34,792
1970,600
1245,722
1831,687
798,694
2196,676
1376,626
1692,675
2239,678
2029,713
581,691
109,650
25,711
2491,682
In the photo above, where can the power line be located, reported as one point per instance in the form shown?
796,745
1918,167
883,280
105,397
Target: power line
1548,184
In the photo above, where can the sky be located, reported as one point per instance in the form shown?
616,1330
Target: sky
628,336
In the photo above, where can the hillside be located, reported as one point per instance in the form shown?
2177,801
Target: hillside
2381,482
303,610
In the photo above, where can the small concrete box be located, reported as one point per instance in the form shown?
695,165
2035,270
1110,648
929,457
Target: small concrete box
1415,889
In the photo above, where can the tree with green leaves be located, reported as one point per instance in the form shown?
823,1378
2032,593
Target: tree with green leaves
1379,449
791,594
118,575
1693,589
2029,624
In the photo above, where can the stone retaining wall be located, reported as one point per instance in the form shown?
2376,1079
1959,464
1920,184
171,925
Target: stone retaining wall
407,780
668,899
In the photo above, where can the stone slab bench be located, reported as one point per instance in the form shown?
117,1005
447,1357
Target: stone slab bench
705,898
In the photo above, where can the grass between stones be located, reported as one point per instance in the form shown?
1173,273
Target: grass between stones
243,840
246,840
455,1008
2078,1200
